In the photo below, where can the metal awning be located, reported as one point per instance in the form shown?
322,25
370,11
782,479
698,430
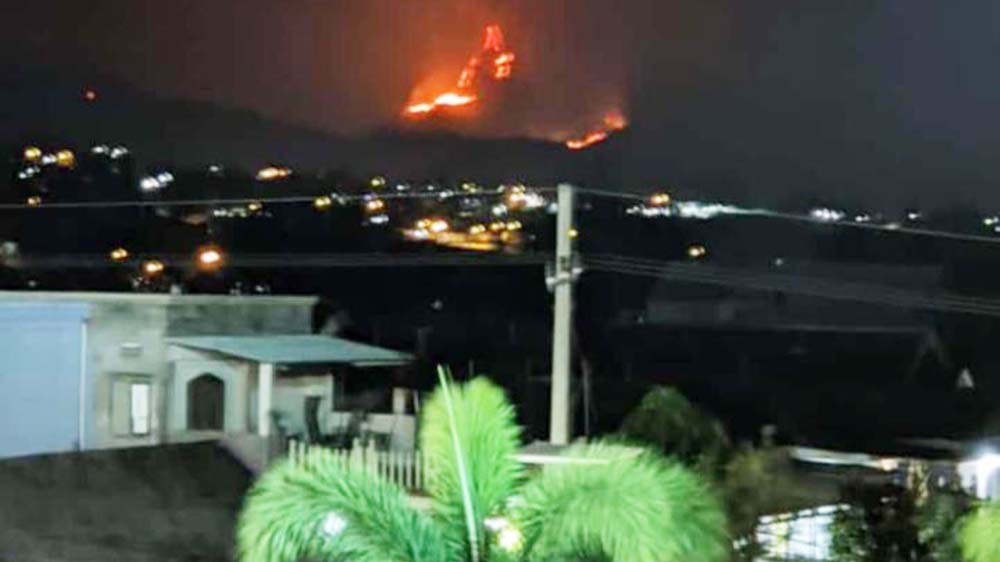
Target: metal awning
291,350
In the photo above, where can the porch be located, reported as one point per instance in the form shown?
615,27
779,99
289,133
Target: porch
280,387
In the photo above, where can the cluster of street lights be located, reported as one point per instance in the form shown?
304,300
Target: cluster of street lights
155,182
208,258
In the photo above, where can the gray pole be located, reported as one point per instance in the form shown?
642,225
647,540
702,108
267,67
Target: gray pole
560,423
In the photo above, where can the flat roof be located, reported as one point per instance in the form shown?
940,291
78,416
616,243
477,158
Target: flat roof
155,298
290,350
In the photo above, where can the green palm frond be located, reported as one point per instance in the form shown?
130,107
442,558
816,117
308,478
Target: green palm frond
620,507
322,511
980,534
488,438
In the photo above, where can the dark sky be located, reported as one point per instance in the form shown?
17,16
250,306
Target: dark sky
893,102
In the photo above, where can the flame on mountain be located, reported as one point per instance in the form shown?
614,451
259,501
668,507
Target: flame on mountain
612,121
493,53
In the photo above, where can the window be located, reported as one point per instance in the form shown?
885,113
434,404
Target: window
130,405
140,408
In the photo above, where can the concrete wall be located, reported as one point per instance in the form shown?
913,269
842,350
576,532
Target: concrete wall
290,398
236,377
40,377
127,339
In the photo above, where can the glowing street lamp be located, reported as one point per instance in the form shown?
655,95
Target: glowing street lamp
696,251
659,200
65,159
322,203
32,154
118,255
210,258
34,201
152,268
438,226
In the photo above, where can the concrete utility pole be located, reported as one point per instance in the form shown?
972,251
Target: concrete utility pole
560,423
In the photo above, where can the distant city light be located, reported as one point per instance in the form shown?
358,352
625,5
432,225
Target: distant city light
438,226
29,172
990,221
826,215
374,205
659,200
118,255
65,159
34,201
150,183
165,178
322,202
90,95
499,210
379,219
862,218
648,211
401,187
272,173
100,149
118,152
696,251
574,234
377,182
704,211
152,267
254,206
514,225
32,154
497,226
215,169
48,159
477,229
520,198
914,215
209,257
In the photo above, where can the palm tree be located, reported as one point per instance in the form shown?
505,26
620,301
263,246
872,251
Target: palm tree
979,536
610,503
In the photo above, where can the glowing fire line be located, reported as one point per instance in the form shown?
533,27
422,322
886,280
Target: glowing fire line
613,121
494,50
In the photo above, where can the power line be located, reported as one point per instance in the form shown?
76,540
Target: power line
794,284
443,195
318,260
799,217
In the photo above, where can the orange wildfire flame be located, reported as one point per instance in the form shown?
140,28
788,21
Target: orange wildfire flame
502,61
612,121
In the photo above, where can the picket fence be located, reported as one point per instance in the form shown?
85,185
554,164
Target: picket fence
404,468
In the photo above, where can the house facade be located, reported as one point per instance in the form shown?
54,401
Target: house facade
104,370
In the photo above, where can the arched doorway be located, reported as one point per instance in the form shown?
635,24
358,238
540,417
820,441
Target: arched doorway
206,403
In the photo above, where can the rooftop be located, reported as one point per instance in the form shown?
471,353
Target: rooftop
155,298
303,349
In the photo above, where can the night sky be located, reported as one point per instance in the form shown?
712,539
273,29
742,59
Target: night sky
891,103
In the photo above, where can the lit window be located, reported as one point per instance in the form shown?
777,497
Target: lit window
131,413
140,408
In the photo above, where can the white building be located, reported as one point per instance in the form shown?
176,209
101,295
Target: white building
101,370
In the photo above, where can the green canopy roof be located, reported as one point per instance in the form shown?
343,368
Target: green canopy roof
291,350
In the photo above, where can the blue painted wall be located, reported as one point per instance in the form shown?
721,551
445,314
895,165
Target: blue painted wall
40,377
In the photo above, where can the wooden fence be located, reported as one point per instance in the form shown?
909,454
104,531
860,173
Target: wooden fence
404,468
